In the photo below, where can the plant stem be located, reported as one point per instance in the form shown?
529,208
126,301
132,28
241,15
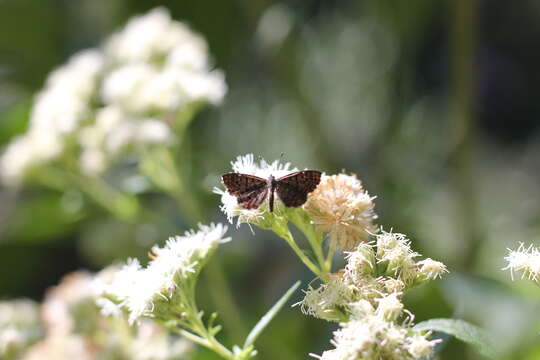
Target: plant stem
462,114
204,339
314,238
287,236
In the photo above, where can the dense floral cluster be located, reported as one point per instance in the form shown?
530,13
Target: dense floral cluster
166,286
68,325
121,97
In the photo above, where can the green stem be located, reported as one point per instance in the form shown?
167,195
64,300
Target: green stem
287,236
330,257
314,238
205,340
462,113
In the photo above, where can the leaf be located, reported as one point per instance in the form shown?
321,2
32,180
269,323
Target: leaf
462,330
265,320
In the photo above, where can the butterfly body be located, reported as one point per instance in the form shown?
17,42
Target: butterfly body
251,191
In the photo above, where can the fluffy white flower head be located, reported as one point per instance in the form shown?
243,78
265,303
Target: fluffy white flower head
525,260
431,269
341,207
147,292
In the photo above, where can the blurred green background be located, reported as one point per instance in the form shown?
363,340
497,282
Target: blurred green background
433,104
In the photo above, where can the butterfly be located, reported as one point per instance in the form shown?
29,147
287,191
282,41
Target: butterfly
251,191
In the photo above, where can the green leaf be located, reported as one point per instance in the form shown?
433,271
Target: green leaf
462,330
265,320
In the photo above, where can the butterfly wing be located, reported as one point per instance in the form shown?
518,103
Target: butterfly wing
250,191
293,188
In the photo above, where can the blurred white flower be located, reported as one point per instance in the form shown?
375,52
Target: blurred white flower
62,302
154,290
342,208
149,36
26,151
66,98
153,343
116,98
524,260
61,346
20,326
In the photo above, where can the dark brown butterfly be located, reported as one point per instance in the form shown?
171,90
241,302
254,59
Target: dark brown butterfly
292,189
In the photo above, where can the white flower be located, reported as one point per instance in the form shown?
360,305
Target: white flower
19,326
59,309
361,262
122,96
148,36
431,269
328,300
153,343
419,346
65,100
394,249
247,165
153,131
389,307
124,86
341,207
26,151
150,291
525,260
372,337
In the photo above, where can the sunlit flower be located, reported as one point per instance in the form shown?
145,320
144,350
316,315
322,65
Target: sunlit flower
430,269
154,291
394,251
524,260
361,262
389,307
419,346
373,334
341,207
328,301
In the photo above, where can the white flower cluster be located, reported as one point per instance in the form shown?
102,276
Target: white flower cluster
122,96
163,286
373,334
247,165
524,260
19,326
72,328
370,335
385,268
59,109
